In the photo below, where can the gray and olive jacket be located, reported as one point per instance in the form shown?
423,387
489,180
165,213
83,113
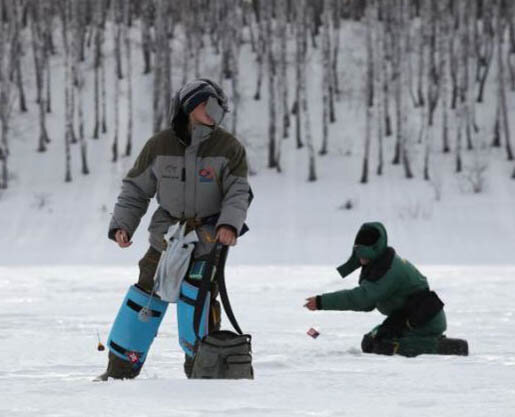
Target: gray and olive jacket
203,179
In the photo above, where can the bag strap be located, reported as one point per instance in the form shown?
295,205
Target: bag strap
205,284
220,276
215,264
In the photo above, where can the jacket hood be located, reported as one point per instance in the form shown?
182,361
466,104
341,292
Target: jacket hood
184,99
371,241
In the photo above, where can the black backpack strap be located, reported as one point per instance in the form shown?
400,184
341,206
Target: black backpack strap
220,276
205,284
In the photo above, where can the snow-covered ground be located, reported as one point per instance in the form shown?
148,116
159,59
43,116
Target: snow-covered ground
49,317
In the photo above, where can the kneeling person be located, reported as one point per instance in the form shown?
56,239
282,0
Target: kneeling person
415,320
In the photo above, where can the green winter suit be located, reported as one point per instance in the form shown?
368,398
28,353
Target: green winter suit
386,283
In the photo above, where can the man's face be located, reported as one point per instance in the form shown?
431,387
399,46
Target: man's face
199,115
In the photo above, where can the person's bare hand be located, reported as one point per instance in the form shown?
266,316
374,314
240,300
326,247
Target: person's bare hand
226,236
311,303
122,238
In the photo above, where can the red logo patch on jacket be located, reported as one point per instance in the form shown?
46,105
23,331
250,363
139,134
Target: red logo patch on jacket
207,174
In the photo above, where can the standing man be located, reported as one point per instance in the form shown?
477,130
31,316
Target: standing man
198,173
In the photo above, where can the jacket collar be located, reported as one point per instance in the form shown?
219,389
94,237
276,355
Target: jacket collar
379,267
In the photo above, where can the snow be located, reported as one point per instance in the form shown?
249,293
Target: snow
62,280
50,315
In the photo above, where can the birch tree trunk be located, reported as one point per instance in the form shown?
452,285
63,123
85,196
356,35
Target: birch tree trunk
118,27
336,8
443,39
7,44
461,82
379,31
159,64
235,23
501,82
146,37
469,81
326,68
260,56
396,64
78,30
128,65
485,50
387,61
68,82
97,65
369,89
453,56
117,30
40,53
271,67
283,68
400,102
433,87
18,52
303,23
298,72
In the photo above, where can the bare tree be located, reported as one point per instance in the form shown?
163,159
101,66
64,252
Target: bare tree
468,56
387,61
302,24
369,96
261,49
78,28
336,15
433,86
128,65
7,42
146,37
283,66
98,64
299,47
379,82
117,8
462,81
501,82
272,71
424,12
161,42
69,135
511,49
326,77
453,55
484,50
401,146
48,13
41,56
18,51
443,39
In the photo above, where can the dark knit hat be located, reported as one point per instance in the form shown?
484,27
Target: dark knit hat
198,91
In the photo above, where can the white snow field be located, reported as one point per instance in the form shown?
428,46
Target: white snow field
49,317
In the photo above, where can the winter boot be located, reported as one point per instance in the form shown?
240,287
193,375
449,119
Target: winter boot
117,368
448,346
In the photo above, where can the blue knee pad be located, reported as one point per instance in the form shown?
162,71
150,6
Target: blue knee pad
136,325
185,316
